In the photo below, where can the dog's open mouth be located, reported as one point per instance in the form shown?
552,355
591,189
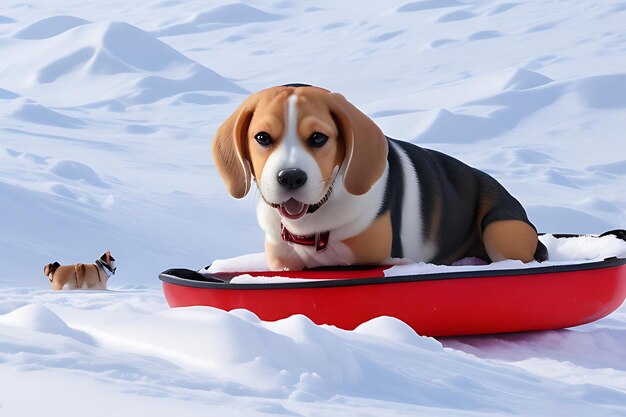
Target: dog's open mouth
293,209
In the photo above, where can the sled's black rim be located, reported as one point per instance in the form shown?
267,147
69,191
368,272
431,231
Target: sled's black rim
171,276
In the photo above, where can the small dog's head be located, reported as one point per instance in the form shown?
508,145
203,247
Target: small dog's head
108,261
50,268
296,141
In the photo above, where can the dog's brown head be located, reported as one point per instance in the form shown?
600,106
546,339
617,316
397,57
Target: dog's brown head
295,141
50,268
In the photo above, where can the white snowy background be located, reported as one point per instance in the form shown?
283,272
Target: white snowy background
107,111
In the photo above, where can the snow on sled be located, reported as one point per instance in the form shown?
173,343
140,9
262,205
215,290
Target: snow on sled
584,280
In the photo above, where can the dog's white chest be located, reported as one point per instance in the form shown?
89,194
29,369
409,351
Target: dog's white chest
297,255
336,253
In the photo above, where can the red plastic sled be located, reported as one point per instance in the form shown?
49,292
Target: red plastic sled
443,304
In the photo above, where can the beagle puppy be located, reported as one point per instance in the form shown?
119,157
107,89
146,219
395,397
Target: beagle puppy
334,190
80,276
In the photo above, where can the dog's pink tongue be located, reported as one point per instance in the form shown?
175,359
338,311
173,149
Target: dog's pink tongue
293,209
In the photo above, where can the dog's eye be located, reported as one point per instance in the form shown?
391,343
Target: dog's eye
317,140
264,139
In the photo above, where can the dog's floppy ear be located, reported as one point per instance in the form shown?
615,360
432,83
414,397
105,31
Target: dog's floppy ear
230,150
50,268
366,145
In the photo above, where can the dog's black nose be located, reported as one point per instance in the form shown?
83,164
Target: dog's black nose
292,178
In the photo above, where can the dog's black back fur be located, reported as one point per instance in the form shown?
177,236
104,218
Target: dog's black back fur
455,190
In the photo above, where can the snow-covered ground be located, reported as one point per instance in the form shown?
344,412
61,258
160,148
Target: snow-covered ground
107,111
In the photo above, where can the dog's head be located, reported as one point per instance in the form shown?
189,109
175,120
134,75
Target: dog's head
50,268
296,141
108,261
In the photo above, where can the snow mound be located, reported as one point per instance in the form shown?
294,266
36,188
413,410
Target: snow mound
438,43
37,159
303,359
76,171
521,157
524,79
456,16
484,34
49,27
222,16
603,91
112,48
7,95
555,219
522,94
6,20
573,250
504,7
386,36
448,127
41,319
249,262
115,62
198,98
295,363
122,46
613,168
154,88
428,5
62,190
398,331
237,13
584,248
30,111
292,358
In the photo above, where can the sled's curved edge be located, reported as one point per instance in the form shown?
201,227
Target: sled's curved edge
172,276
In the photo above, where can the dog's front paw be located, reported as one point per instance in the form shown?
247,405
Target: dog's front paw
278,263
282,257
283,265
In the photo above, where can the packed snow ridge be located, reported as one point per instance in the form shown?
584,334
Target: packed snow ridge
137,66
219,17
49,27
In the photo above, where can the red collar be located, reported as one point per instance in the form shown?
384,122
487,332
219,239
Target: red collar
319,240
